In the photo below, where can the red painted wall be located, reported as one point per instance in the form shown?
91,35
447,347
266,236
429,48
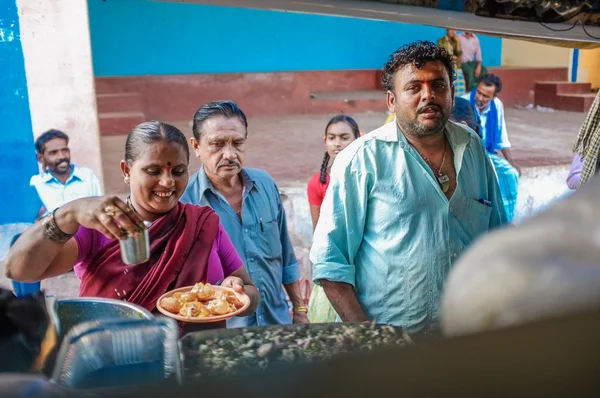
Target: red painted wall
177,97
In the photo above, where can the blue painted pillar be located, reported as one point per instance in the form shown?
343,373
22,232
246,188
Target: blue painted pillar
17,156
575,65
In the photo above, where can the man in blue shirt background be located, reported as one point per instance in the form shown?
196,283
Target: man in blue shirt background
250,209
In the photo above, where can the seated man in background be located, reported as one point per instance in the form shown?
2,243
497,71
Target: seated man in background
490,110
61,182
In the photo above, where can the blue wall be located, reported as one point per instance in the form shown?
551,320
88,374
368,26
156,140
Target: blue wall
17,162
137,37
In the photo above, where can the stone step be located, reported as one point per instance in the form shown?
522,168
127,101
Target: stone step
119,102
556,88
564,96
567,102
119,123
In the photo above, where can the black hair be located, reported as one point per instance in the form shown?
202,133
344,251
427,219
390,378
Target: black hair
150,132
417,54
492,80
464,111
48,136
229,109
355,130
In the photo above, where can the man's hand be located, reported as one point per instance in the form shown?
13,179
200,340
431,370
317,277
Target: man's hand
477,70
343,299
235,283
517,168
298,302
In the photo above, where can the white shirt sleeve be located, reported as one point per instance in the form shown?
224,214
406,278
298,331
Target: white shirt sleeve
95,187
504,142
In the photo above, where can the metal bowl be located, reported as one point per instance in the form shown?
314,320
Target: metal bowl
70,312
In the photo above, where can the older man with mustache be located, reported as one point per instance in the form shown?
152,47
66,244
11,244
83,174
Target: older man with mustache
250,209
404,201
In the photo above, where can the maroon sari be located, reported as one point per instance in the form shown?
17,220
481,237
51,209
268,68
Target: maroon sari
180,245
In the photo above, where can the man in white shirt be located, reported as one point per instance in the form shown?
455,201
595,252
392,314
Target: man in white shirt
61,182
490,110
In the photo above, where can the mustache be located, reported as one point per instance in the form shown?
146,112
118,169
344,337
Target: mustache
430,105
62,161
229,163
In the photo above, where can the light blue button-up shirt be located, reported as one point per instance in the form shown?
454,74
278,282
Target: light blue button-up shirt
387,229
260,237
82,183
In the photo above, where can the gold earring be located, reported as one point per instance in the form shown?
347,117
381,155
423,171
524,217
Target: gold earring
126,179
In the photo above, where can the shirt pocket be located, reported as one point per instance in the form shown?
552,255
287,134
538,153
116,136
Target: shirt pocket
269,240
479,215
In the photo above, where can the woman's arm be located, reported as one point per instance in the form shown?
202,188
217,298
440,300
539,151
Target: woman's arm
315,212
315,198
35,256
240,282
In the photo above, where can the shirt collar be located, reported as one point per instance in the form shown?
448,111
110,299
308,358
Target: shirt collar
74,175
204,183
391,133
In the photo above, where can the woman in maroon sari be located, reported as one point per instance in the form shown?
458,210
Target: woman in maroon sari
187,242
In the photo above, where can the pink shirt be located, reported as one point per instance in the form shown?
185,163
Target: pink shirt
222,261
471,50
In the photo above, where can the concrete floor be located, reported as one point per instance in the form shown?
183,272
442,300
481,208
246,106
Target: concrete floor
291,150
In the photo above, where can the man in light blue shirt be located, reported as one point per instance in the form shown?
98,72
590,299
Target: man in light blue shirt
249,206
405,201
61,181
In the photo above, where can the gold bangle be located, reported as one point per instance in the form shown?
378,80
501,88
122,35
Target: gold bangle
52,231
300,309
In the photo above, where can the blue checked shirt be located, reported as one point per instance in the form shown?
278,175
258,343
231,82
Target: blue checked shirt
261,239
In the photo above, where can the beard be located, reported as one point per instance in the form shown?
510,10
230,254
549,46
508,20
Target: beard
419,129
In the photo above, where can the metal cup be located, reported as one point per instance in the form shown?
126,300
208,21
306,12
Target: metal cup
136,250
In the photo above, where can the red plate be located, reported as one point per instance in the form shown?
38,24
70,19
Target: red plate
213,318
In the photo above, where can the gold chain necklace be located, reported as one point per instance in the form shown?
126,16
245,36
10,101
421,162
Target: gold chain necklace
443,179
